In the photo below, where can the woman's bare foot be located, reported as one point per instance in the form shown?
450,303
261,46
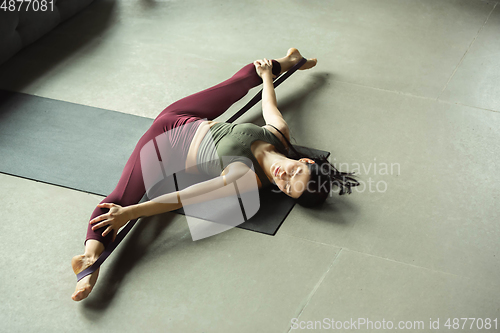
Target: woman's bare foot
85,285
293,56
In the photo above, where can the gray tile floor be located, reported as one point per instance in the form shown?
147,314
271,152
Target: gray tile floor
411,85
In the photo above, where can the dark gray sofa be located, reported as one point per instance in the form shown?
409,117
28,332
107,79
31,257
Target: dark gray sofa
20,28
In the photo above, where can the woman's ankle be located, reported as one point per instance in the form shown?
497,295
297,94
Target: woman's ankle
93,249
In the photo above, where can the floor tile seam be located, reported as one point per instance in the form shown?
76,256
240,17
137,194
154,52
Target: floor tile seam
408,264
463,277
415,96
316,287
466,51
384,90
383,258
311,240
470,106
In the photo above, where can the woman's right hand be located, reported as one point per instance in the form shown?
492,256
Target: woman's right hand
114,219
264,67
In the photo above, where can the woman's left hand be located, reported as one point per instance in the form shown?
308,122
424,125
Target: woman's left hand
115,218
264,66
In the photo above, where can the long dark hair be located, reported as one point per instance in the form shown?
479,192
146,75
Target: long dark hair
324,176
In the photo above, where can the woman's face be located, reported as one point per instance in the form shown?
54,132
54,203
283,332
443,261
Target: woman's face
291,176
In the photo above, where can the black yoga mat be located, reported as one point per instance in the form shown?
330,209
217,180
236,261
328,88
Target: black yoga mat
85,148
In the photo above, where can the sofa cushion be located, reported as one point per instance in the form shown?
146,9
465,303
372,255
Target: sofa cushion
20,28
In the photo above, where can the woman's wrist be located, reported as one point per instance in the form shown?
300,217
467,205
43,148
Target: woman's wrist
131,212
267,75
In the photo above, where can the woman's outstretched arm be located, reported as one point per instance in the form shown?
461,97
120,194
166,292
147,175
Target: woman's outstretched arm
211,189
270,110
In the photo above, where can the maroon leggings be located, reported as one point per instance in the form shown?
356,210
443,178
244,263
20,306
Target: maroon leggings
209,104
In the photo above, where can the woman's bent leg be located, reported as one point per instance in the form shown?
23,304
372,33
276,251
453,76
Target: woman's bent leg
212,102
129,190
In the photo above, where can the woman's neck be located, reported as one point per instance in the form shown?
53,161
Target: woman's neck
266,155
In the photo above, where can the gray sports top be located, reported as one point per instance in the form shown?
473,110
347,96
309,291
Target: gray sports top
234,140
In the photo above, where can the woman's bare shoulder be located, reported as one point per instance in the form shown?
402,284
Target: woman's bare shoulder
241,168
285,130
